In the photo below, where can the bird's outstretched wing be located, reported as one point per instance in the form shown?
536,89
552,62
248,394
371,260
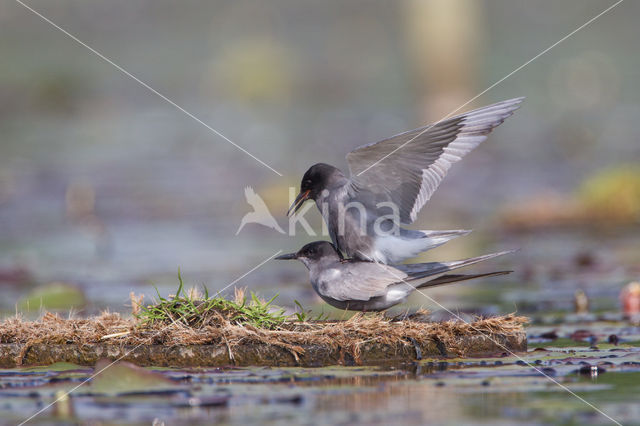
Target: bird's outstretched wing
406,169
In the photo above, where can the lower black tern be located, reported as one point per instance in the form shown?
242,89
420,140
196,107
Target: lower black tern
368,286
391,181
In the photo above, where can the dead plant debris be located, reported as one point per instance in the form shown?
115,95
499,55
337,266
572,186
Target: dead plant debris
189,318
291,335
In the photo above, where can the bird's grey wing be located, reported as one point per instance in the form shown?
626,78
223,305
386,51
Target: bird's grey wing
363,281
455,278
406,169
422,270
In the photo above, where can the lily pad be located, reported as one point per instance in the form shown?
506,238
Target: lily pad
57,367
125,378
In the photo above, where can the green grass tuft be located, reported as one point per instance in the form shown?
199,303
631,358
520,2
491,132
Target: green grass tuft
190,309
306,315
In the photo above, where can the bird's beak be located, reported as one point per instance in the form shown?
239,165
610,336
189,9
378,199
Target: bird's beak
288,256
299,201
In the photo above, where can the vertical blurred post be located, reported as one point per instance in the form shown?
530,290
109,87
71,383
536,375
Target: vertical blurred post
444,39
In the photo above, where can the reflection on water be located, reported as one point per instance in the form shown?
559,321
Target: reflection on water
489,390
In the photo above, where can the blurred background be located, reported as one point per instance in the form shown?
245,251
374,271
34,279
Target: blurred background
107,189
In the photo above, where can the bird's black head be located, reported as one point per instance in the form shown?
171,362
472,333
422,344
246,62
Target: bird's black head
317,250
318,178
313,252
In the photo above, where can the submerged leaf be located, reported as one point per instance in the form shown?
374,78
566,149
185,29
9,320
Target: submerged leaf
124,377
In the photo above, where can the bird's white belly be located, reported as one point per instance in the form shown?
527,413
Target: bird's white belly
397,295
396,248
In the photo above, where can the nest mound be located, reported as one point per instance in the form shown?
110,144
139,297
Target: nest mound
364,338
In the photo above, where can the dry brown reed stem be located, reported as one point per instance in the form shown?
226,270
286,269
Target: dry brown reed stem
347,335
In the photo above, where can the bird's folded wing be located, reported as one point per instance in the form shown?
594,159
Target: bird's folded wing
363,281
406,169
422,270
455,278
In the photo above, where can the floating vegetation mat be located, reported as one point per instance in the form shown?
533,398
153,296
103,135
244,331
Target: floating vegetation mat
198,330
363,339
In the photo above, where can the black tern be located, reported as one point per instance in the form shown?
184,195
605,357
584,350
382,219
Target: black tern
368,286
391,181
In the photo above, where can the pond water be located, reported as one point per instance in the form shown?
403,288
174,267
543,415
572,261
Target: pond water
107,190
530,388
578,366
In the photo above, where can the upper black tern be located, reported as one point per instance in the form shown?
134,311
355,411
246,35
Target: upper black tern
368,286
391,181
